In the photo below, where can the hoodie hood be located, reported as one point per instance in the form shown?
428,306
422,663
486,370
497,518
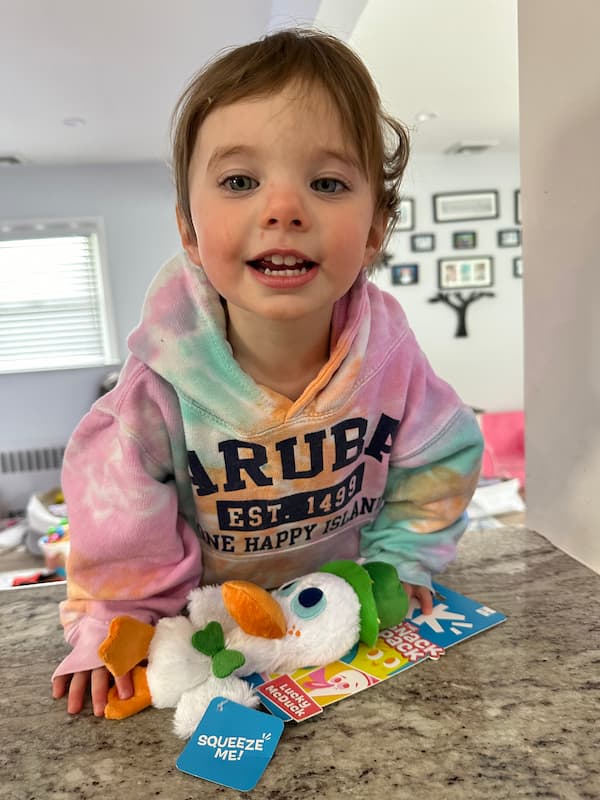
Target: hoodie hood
182,337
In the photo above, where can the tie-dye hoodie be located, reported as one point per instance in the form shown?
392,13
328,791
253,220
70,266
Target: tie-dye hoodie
189,471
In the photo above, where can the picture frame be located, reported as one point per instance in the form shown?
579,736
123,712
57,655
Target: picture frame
464,240
518,267
422,242
459,206
404,274
517,206
475,272
406,215
510,237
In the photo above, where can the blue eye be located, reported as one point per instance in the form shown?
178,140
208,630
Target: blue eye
309,603
240,183
328,185
287,588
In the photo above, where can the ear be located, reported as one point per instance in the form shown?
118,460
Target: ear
188,238
375,238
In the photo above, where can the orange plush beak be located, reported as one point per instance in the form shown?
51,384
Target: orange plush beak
254,609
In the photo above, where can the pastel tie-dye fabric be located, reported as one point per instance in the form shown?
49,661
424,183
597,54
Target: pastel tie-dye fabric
189,471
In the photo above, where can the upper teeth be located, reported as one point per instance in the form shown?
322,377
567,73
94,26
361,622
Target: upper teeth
278,260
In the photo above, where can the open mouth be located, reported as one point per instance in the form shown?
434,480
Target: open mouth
288,265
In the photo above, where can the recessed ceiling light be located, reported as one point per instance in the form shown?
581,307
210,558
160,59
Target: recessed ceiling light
426,116
470,148
10,160
74,122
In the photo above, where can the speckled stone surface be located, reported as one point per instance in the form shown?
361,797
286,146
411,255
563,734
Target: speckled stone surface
511,713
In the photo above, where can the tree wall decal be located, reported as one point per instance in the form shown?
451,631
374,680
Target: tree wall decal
383,259
460,302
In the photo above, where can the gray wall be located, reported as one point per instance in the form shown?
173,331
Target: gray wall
136,202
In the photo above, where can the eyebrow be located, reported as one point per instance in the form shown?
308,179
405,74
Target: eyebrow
223,153
344,156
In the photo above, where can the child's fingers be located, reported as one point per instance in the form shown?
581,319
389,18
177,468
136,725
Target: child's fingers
77,689
124,686
422,595
100,678
59,686
425,599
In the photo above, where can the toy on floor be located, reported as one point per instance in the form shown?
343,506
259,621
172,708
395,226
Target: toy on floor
238,628
55,546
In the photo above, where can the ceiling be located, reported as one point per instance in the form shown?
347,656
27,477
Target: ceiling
120,65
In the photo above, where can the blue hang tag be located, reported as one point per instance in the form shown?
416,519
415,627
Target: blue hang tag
232,745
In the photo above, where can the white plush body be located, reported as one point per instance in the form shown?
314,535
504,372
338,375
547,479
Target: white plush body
181,677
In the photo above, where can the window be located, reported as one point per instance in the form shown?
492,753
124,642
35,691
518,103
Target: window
54,304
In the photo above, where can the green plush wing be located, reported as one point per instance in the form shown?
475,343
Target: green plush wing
390,595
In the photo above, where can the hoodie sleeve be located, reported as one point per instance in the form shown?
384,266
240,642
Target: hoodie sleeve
132,551
430,482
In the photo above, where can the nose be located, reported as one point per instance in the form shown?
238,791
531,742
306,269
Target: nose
284,209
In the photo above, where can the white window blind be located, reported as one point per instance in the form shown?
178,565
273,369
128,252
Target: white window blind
54,311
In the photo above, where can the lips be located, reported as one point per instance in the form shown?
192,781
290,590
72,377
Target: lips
287,264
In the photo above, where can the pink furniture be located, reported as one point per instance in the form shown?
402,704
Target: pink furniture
504,436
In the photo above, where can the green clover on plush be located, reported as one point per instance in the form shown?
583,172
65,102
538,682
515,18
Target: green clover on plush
211,641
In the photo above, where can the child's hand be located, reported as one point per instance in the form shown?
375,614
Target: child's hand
422,595
100,681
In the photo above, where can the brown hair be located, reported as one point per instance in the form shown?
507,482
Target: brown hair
267,66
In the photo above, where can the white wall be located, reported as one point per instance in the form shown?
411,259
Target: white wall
560,133
486,367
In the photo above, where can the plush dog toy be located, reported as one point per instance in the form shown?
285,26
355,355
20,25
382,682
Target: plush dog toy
238,628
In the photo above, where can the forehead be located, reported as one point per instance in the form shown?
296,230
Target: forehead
307,117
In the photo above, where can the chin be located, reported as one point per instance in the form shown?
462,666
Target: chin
295,315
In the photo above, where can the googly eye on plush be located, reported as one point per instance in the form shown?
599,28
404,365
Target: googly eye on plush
309,603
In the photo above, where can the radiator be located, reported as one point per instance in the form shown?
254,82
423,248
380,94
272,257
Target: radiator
27,472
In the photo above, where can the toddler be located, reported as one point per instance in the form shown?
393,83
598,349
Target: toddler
275,411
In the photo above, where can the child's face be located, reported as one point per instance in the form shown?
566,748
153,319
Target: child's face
275,179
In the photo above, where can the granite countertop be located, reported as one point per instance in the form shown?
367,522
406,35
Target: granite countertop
510,713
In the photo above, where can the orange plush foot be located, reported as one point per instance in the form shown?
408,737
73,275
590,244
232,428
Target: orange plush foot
126,645
141,699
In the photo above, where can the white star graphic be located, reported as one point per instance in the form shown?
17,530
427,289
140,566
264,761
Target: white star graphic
441,612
